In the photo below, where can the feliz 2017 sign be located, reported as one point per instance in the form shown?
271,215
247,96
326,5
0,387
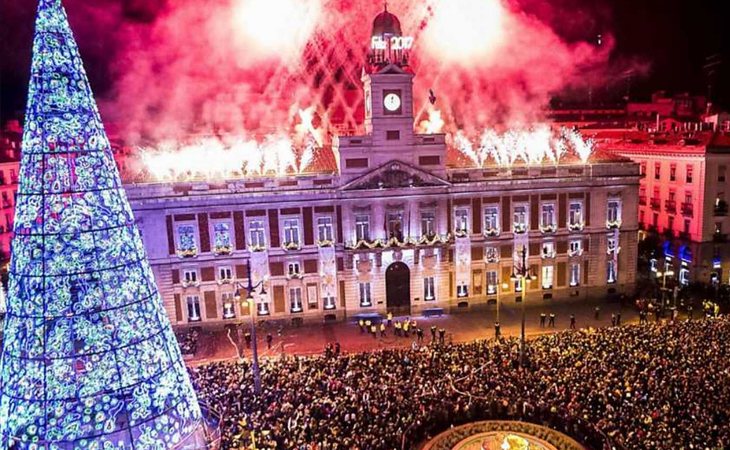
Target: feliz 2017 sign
396,43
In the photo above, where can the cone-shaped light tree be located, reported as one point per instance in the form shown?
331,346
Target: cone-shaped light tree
89,359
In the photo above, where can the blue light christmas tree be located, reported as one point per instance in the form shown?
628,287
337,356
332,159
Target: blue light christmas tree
89,359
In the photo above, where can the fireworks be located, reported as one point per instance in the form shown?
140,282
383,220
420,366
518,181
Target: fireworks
537,145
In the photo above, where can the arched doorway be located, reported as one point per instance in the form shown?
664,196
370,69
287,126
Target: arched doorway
398,288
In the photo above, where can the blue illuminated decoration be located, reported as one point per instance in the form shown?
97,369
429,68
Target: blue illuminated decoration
89,360
668,250
685,253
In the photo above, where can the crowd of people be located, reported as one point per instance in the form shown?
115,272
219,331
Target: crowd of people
188,341
650,386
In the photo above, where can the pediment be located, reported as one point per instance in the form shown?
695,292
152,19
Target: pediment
391,69
395,175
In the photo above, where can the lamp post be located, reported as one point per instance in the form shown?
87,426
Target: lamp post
250,287
667,272
497,327
523,274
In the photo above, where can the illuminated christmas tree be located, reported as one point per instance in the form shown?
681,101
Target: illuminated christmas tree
89,359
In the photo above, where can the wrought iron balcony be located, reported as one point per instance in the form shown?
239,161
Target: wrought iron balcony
656,204
670,206
687,209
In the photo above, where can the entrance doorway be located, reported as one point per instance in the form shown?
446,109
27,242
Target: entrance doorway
398,288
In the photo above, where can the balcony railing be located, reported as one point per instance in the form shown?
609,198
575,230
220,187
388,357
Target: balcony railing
656,204
642,200
687,209
670,206
720,208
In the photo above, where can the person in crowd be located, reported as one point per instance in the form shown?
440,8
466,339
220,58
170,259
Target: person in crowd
398,328
543,316
572,321
551,322
390,318
442,335
269,340
362,326
382,329
433,333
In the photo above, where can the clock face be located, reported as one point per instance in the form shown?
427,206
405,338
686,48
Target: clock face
391,102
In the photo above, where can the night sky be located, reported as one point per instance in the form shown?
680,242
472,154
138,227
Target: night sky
672,38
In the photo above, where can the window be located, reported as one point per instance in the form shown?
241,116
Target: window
548,217
291,232
229,311
222,238
518,285
428,223
491,255
186,245
190,276
520,219
657,170
263,309
684,276
392,135
225,273
395,226
256,233
613,213
429,293
612,244
642,168
688,176
574,274
655,220
362,228
329,302
365,299
13,176
461,224
462,290
670,223
491,282
193,308
548,250
491,220
324,229
575,215
295,299
293,269
575,247
611,269
547,277
672,172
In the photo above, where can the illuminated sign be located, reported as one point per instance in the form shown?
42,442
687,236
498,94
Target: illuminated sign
396,43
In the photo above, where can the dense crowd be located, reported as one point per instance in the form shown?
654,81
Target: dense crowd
188,341
654,386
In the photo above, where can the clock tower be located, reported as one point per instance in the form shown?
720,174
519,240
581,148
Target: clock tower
389,118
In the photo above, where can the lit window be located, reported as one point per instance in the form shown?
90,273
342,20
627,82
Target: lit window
225,273
462,290
429,293
491,220
362,228
611,271
291,232
229,311
365,299
575,247
262,309
613,213
548,250
461,225
222,238
520,219
329,302
574,274
190,276
547,277
293,269
324,229
186,245
575,216
295,299
395,226
612,244
256,233
193,308
547,219
428,224
491,282
491,255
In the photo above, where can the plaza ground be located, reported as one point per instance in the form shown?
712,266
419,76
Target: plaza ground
461,326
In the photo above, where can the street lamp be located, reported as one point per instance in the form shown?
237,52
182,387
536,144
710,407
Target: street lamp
250,287
664,275
523,274
497,332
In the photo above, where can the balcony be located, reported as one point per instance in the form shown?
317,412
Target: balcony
719,237
642,200
656,204
687,210
670,206
720,208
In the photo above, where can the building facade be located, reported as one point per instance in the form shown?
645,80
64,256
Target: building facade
391,225
683,198
10,139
